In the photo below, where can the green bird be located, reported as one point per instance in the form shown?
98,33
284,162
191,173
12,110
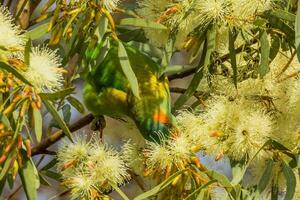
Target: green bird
107,91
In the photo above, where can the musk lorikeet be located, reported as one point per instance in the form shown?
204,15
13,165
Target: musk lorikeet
107,91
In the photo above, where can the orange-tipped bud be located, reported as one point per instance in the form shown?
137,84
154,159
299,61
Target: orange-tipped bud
68,164
3,159
20,142
28,147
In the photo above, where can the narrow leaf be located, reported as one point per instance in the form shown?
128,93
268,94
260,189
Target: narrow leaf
275,47
126,67
265,53
12,70
265,179
159,187
30,179
297,32
76,104
205,60
232,55
58,119
285,15
222,179
7,165
290,181
57,95
38,124
38,31
119,191
27,52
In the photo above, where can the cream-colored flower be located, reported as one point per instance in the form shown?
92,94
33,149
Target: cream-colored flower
111,5
212,11
157,156
107,165
222,114
243,12
89,165
132,155
71,154
81,185
44,71
154,10
180,148
10,34
250,134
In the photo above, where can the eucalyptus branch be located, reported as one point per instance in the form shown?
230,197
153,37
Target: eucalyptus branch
42,147
222,59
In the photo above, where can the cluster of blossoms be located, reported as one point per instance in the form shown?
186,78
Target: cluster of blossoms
236,122
160,161
43,71
89,168
185,18
21,82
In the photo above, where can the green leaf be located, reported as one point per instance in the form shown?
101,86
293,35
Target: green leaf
200,189
144,23
52,174
265,178
57,95
4,120
285,15
265,53
119,191
38,31
222,179
201,195
148,49
58,119
76,104
12,70
277,23
27,52
66,111
7,165
30,179
38,124
159,187
49,165
297,32
167,55
232,55
2,185
205,60
238,171
290,181
43,180
126,67
275,47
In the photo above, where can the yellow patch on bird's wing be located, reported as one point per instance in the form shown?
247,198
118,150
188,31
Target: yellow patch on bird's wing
117,94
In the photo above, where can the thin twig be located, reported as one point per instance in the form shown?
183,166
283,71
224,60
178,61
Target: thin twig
296,73
287,64
42,147
14,193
